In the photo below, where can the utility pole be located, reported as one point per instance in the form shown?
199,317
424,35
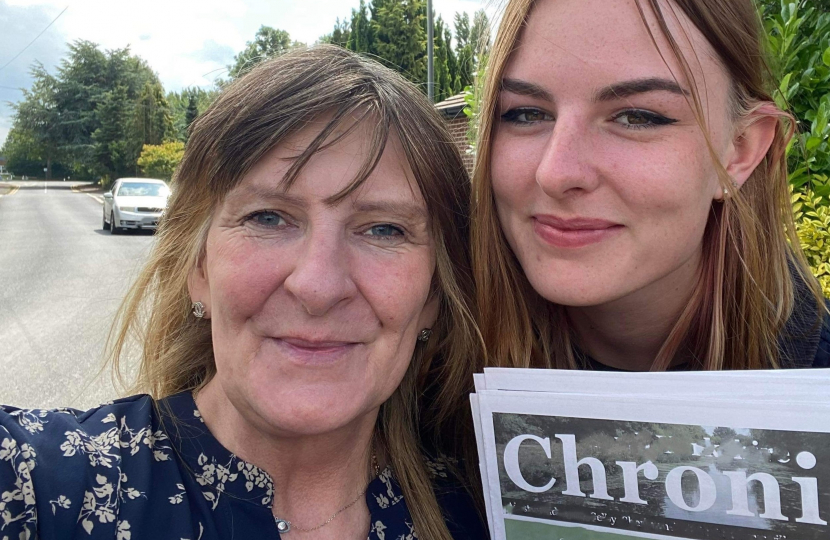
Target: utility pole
430,54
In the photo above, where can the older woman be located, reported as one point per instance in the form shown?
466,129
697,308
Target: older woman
309,277
632,205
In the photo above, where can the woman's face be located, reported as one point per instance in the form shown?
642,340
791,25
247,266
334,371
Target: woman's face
602,177
316,305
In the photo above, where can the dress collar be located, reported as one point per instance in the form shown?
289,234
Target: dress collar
222,474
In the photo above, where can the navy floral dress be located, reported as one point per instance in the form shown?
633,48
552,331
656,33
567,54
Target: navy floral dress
137,469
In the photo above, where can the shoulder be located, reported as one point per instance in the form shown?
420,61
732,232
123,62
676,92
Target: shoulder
41,427
54,464
455,498
800,342
822,358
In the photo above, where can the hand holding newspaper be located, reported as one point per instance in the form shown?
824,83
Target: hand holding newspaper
586,455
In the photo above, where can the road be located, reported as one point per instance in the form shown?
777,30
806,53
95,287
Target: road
61,281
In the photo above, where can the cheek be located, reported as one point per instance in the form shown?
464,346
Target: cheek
513,166
243,278
396,288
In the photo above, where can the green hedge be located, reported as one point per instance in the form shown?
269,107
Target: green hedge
798,36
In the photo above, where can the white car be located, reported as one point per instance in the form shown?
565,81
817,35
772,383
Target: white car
135,203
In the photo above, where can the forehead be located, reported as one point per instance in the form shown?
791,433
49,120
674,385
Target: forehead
578,43
330,171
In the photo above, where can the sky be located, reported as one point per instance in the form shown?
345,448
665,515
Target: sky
187,42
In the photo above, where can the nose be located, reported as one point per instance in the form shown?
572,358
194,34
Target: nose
321,277
567,164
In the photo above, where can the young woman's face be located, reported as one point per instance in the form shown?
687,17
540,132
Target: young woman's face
602,176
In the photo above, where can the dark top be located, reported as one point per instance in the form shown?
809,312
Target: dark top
804,342
134,470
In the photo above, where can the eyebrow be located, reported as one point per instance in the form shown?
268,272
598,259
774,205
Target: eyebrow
524,88
396,208
609,93
639,86
261,192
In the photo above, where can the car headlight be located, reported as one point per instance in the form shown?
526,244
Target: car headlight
126,208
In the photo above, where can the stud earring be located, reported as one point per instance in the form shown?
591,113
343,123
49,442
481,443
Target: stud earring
198,310
424,335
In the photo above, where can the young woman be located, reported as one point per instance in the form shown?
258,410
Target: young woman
631,202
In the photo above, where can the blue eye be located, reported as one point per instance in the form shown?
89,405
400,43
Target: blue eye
385,230
526,116
266,218
639,119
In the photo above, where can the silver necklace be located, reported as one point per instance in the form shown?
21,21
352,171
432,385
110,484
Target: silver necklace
284,526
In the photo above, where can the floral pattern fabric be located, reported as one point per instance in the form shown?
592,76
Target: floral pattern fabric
138,469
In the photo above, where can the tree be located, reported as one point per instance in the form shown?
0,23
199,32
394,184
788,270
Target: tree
472,44
160,161
191,114
399,36
111,146
268,43
360,36
340,35
186,105
151,120
38,121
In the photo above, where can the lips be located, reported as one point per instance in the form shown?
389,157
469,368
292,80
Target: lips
314,352
573,232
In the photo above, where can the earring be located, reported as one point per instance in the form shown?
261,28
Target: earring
424,335
198,309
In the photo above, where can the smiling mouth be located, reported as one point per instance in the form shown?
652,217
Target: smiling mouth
573,233
314,352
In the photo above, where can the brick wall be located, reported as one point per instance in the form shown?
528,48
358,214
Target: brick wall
458,130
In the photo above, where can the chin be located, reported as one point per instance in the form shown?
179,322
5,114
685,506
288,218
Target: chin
573,292
310,412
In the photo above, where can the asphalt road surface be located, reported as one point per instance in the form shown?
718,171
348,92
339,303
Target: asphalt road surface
62,279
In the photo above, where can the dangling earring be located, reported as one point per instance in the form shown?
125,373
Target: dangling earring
198,310
424,335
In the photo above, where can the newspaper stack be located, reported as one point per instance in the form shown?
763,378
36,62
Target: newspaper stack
588,455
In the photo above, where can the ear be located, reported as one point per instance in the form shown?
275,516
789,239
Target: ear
751,142
199,287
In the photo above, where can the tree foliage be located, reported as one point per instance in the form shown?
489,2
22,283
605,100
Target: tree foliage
160,161
83,120
395,32
798,36
268,43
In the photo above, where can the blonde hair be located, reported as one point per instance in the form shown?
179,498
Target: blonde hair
745,290
251,117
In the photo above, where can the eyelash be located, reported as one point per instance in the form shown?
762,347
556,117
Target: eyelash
512,116
252,216
398,232
655,120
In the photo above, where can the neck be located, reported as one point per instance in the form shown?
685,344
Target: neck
628,333
314,476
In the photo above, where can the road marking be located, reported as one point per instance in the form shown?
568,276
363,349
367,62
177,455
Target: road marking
14,190
99,200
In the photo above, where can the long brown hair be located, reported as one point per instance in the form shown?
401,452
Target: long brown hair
251,117
745,292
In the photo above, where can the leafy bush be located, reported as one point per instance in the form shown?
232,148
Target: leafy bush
798,35
813,228
160,161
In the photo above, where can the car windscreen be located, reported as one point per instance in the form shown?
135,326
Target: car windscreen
143,189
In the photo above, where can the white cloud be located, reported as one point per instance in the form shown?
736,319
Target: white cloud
187,42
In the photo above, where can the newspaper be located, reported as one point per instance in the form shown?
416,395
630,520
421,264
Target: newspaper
586,455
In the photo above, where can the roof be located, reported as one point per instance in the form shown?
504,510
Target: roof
151,180
452,107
